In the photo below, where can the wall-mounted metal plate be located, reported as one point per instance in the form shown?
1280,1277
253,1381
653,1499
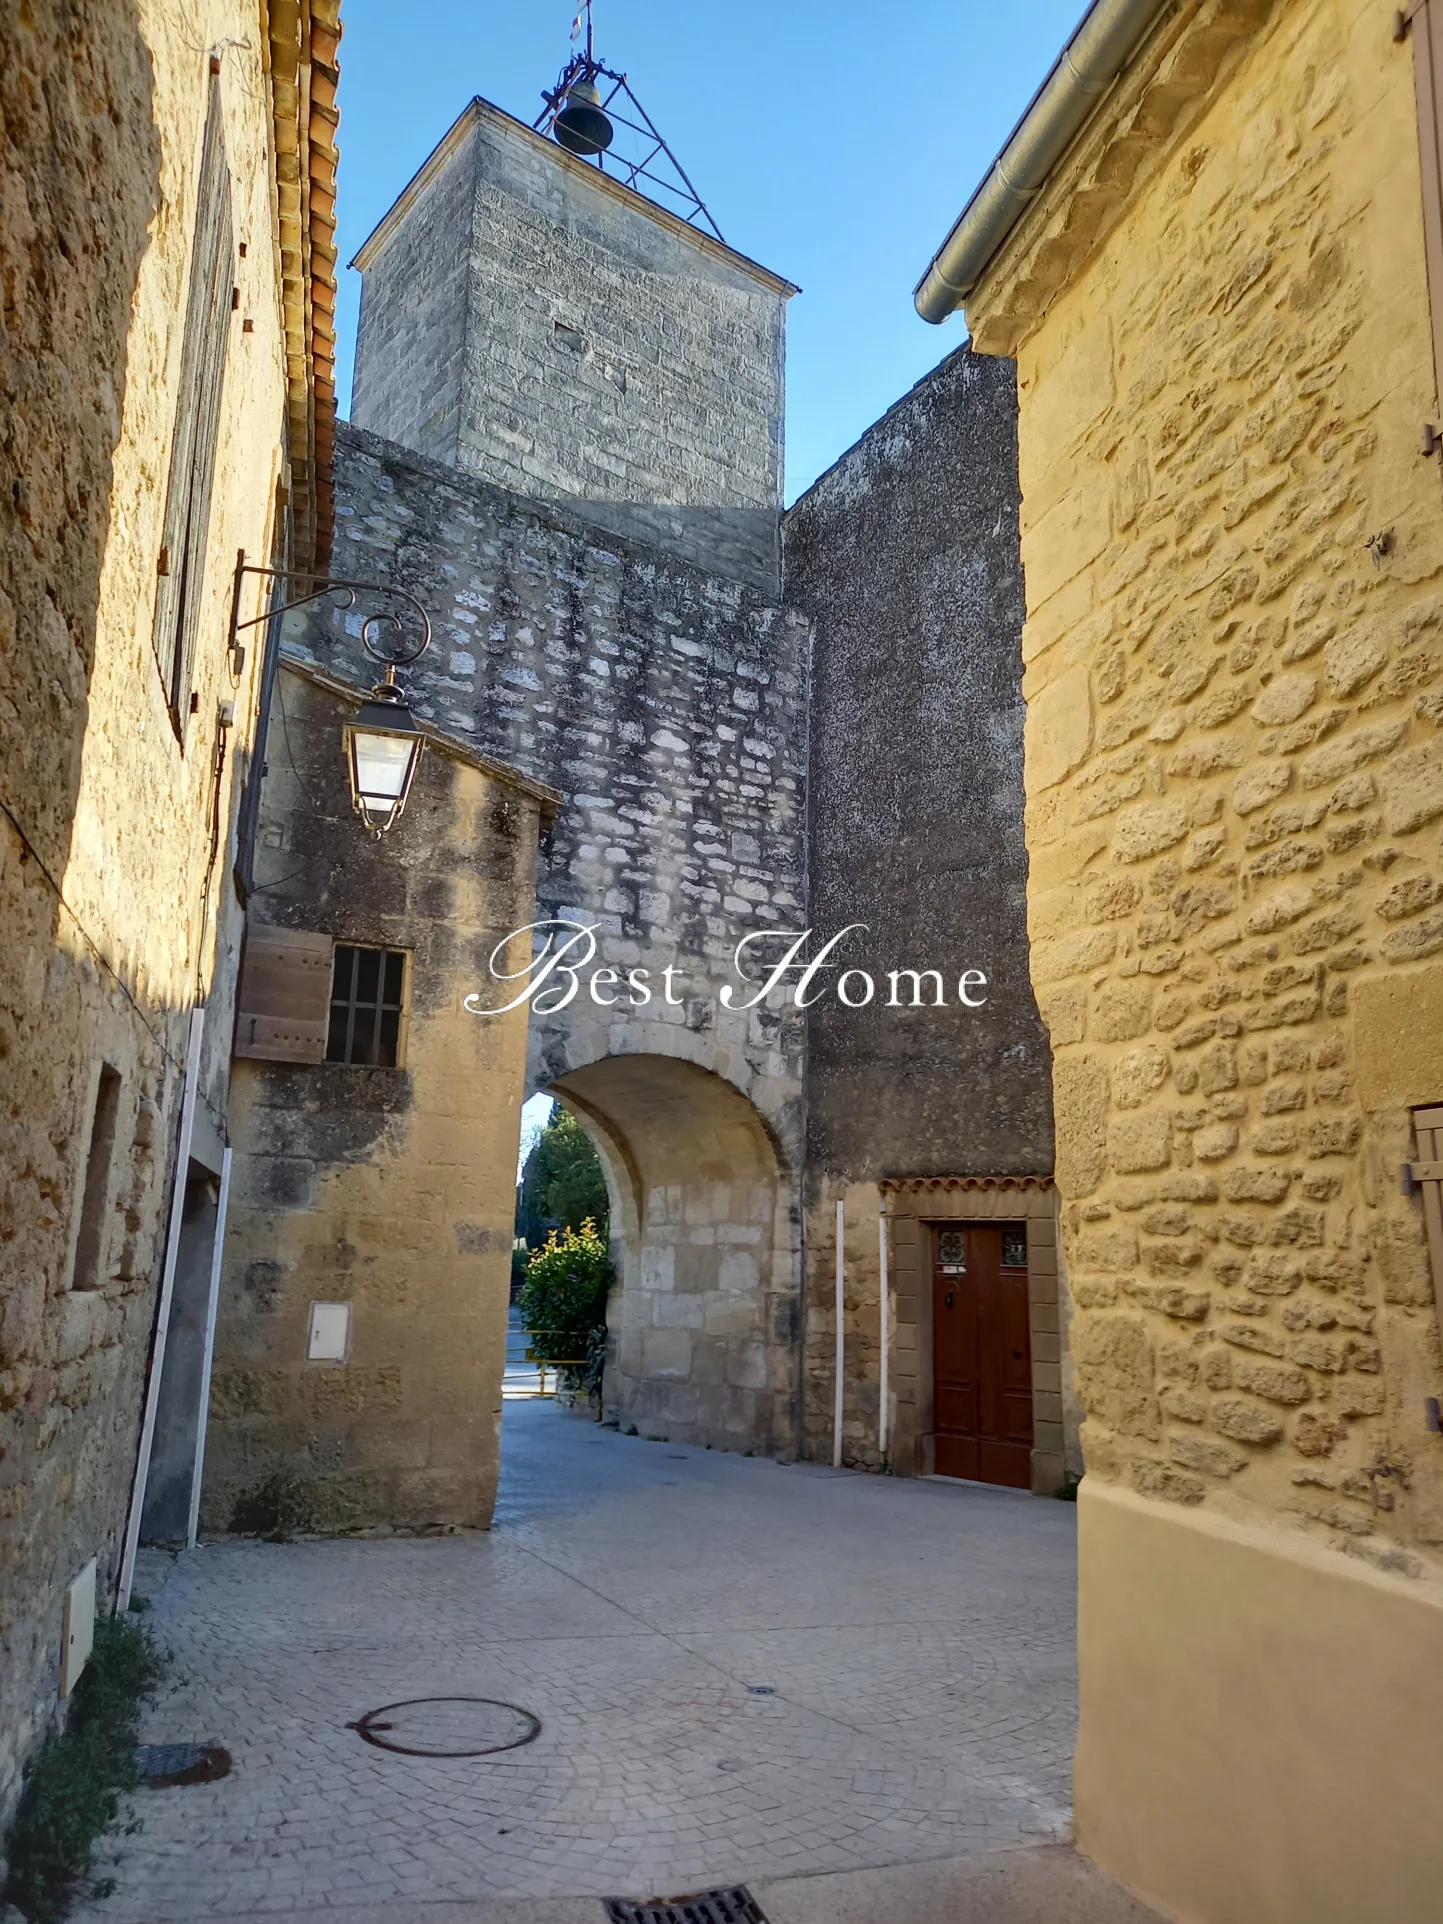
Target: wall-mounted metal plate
164,1766
448,1727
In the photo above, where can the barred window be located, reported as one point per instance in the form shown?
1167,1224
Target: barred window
209,297
368,989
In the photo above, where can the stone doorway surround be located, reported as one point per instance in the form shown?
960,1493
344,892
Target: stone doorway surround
913,1206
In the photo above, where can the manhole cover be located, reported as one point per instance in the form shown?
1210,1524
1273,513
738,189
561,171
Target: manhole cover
735,1906
161,1766
447,1727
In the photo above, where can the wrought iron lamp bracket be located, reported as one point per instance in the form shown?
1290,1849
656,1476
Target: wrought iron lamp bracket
372,628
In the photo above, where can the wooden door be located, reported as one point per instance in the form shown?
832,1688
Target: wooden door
982,1354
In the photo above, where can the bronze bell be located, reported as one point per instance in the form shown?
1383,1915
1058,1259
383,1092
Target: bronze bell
582,127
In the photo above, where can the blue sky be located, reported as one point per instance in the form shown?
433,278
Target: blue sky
835,143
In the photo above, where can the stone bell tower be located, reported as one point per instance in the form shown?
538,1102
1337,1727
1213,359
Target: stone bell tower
528,318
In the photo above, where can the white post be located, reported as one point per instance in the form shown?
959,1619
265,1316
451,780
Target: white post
211,1310
885,1308
162,1320
841,1335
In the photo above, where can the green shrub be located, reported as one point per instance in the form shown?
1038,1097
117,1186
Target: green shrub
563,1300
74,1781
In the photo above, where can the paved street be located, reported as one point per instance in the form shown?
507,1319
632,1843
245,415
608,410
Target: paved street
854,1695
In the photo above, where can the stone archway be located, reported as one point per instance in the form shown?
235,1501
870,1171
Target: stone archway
705,1236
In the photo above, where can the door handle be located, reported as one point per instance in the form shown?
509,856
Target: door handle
1017,1355
949,1298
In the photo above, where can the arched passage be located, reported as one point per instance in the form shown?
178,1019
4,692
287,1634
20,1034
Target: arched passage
704,1323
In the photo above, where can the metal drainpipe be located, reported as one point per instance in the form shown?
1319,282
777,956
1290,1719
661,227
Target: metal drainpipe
839,1381
1082,74
799,1417
886,1332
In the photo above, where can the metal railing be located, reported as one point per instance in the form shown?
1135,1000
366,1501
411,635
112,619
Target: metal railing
521,1360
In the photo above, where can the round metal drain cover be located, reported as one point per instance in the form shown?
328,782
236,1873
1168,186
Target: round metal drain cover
448,1727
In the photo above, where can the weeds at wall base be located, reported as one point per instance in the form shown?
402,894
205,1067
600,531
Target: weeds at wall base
74,1782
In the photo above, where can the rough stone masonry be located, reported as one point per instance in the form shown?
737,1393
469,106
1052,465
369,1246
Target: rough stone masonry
669,706
527,320
617,630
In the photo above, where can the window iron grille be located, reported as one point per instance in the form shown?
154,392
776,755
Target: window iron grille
952,1251
368,988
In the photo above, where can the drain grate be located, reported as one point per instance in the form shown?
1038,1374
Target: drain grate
734,1906
162,1766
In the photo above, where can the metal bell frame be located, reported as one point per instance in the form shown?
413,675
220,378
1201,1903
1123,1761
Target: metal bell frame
584,69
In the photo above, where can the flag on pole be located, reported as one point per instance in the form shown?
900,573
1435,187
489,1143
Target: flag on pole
578,22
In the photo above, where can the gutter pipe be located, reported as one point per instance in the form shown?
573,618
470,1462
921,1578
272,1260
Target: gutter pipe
1082,74
839,1364
886,1314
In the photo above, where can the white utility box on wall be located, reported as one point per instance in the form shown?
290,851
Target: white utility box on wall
77,1637
330,1335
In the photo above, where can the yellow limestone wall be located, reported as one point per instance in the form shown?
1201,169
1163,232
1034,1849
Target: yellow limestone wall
104,810
392,1190
1235,783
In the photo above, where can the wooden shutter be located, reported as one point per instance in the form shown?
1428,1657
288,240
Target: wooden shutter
284,1004
197,421
1427,1173
1425,21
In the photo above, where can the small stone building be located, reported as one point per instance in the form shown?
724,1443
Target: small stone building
363,1297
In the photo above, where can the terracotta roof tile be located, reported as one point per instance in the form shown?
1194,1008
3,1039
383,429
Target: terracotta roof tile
302,37
897,1183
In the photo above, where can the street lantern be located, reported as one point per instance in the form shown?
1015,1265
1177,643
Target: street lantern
383,740
383,744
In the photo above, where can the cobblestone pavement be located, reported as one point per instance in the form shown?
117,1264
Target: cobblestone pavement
743,1671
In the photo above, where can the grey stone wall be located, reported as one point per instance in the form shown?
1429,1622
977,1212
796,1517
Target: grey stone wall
536,324
905,555
117,915
669,707
411,345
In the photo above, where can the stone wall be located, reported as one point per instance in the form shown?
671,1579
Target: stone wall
1234,556
104,811
905,555
668,706
535,323
1232,815
391,1189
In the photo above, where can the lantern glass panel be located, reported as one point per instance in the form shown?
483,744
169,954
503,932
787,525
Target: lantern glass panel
382,764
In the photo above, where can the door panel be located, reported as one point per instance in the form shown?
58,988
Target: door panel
981,1348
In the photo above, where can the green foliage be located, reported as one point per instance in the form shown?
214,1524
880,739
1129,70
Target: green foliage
563,1300
74,1781
562,1183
